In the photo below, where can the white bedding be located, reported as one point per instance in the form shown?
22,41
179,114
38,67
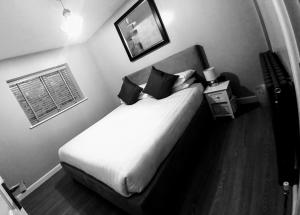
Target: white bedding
126,147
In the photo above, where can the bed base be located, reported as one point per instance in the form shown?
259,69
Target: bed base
172,171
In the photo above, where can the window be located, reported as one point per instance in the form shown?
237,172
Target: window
45,94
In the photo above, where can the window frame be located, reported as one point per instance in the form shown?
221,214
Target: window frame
41,75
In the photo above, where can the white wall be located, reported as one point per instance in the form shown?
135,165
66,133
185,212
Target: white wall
30,153
293,7
274,31
229,31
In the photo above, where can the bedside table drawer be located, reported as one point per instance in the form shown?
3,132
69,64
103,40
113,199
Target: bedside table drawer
221,109
217,97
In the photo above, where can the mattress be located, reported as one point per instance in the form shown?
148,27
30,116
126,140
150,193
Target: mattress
126,147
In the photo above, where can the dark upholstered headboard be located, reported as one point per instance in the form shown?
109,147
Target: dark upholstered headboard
190,58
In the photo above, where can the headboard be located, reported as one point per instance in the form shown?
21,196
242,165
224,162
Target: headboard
191,58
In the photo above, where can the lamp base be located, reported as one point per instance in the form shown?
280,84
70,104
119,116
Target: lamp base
213,84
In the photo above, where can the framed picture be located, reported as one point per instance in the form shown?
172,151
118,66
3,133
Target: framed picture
141,29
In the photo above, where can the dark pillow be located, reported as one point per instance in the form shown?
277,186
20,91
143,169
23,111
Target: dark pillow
159,84
129,92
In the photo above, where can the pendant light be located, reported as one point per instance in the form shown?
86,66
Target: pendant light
72,24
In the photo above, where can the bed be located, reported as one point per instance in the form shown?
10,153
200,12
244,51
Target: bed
128,155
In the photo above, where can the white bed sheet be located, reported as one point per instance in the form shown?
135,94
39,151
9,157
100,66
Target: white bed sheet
126,147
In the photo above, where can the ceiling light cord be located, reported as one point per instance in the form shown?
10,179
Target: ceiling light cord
62,4
66,12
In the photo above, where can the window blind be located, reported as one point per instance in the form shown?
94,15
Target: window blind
47,93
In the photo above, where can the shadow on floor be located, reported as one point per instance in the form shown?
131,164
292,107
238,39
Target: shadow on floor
246,108
83,200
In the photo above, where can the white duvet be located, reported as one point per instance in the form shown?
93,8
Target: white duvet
126,147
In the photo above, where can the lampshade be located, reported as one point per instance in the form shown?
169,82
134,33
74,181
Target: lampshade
210,74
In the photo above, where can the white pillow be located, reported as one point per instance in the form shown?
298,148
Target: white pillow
183,77
185,85
142,85
142,94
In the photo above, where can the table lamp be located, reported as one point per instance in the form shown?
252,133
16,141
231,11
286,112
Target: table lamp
211,76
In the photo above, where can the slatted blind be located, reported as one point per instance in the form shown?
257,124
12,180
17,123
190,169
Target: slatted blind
47,93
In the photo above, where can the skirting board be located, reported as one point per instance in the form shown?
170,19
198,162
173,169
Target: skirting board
39,182
247,100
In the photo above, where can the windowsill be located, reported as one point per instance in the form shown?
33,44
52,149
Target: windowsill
41,122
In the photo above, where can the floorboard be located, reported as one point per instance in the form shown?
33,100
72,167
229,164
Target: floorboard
242,180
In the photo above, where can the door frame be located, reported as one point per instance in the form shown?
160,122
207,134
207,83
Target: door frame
294,58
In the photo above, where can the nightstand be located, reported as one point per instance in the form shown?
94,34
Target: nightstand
220,99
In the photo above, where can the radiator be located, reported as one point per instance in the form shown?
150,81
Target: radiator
284,116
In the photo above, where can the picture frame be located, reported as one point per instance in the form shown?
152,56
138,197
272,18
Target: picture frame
141,29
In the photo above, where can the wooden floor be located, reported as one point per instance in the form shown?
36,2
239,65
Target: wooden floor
243,180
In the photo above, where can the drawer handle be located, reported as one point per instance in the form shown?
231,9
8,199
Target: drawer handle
217,97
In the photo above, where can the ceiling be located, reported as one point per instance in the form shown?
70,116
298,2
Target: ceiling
28,26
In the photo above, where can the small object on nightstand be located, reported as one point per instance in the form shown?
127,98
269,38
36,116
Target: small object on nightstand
220,99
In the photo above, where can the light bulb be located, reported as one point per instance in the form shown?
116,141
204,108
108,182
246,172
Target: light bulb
72,25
